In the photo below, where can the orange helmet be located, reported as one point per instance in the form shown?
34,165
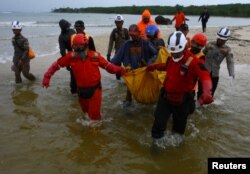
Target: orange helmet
80,40
199,39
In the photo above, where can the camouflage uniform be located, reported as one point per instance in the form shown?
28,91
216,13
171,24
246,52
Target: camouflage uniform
21,61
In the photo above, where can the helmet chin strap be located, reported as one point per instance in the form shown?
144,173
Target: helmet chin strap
177,59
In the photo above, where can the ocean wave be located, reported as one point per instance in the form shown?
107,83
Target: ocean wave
4,59
47,24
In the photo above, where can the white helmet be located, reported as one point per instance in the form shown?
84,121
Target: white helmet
176,42
16,25
119,18
223,33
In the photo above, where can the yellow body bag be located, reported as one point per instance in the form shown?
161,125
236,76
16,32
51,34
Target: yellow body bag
162,57
145,86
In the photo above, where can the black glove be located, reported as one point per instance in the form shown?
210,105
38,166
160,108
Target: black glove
108,57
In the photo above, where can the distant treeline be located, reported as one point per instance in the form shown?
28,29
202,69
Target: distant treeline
230,10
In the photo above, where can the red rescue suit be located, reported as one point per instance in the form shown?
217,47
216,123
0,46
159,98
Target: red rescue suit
88,79
183,79
175,97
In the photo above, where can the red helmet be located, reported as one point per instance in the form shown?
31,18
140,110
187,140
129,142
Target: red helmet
80,40
200,39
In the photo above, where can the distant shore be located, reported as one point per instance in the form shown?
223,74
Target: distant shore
225,10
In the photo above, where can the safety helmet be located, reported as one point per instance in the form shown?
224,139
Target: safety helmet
119,18
199,40
80,40
16,25
176,42
223,33
151,29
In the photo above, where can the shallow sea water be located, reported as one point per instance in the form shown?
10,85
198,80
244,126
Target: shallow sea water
40,130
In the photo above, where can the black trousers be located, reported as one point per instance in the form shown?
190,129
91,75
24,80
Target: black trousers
204,26
163,112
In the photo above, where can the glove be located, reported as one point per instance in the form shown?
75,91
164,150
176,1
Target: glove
128,68
108,57
206,97
46,81
151,67
124,71
50,72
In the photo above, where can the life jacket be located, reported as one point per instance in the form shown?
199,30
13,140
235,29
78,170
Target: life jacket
86,72
180,78
179,19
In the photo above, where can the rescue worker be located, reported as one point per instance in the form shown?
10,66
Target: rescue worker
85,65
21,61
79,27
144,22
134,53
179,18
118,36
65,46
183,69
216,52
198,42
152,35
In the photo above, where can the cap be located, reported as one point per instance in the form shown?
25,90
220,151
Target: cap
119,18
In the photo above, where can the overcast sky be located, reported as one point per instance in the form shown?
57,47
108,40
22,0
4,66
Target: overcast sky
47,5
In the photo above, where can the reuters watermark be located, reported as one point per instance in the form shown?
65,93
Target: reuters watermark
229,165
